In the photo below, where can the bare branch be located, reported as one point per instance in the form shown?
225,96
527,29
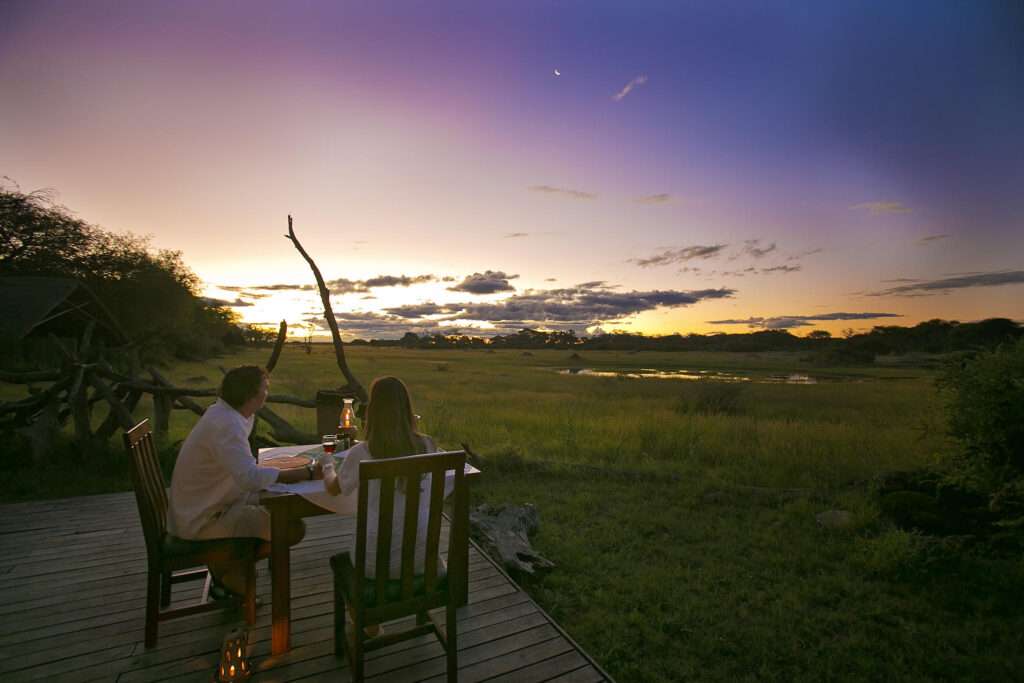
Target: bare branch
325,297
282,332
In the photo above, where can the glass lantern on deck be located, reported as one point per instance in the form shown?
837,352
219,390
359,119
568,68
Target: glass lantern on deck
233,663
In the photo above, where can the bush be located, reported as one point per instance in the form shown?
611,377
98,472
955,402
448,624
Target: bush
986,413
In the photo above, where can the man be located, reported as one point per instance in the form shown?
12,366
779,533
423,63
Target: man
216,482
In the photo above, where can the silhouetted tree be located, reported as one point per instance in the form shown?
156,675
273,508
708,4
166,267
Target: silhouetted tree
153,295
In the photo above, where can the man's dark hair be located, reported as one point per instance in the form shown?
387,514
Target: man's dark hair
240,384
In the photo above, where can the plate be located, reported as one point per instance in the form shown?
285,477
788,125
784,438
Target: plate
288,462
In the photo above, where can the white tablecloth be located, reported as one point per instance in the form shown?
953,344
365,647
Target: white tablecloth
313,491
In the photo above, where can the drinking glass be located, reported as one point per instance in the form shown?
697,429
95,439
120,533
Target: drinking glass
329,442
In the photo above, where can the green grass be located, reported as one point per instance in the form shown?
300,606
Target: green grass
659,579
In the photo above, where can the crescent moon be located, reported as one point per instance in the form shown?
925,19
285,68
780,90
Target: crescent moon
557,72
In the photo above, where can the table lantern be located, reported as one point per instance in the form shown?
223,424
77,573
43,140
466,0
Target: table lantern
233,663
347,424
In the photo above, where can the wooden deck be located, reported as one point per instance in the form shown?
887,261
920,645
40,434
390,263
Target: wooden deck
72,585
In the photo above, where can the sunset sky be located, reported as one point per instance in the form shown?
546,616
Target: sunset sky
691,167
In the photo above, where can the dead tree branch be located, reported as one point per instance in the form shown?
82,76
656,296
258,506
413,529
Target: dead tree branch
282,332
325,297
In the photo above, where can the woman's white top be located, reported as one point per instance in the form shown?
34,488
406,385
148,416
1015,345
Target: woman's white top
348,479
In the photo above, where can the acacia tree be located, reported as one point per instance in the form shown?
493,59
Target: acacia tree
40,237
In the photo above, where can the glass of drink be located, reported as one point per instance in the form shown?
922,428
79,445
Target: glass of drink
329,442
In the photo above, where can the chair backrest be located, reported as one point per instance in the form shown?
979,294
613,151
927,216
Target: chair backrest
408,471
150,489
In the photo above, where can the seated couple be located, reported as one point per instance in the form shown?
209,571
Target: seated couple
216,482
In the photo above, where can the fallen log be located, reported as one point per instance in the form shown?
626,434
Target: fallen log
503,532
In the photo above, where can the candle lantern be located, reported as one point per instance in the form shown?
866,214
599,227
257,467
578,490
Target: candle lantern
234,666
347,423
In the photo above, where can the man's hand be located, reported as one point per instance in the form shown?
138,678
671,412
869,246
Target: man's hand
299,474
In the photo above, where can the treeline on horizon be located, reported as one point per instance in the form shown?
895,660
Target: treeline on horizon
932,336
155,298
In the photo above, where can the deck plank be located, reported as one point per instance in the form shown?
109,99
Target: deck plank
72,592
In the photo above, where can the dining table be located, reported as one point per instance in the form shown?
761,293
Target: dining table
288,502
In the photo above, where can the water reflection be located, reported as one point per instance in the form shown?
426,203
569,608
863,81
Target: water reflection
714,375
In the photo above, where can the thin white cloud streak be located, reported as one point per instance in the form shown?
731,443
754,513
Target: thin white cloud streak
879,208
639,80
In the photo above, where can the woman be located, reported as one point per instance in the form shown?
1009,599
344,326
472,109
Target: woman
389,432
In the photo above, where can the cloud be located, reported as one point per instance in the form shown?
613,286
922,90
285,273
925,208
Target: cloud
344,286
802,254
946,285
242,291
670,256
369,325
654,199
277,288
488,282
784,322
581,305
397,280
339,285
752,270
877,208
577,308
626,89
549,189
551,279
513,235
753,248
928,239
417,310
237,303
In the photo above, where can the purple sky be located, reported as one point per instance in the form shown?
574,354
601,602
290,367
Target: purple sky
713,166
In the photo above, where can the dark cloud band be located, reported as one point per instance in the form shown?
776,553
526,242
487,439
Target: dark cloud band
947,285
785,322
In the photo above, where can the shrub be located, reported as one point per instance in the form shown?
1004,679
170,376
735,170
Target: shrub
986,412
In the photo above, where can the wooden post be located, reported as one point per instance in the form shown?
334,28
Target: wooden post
162,405
78,401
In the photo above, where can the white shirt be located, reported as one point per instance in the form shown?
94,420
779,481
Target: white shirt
215,470
348,480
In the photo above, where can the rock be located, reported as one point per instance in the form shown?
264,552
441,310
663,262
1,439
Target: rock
504,531
834,519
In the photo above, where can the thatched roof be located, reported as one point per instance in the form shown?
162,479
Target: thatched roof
37,304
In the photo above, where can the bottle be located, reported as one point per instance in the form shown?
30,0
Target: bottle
347,425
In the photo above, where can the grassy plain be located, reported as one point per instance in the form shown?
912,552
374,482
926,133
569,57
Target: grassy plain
676,558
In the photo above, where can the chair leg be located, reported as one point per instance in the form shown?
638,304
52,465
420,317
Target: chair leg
250,593
451,631
357,647
339,619
153,591
165,589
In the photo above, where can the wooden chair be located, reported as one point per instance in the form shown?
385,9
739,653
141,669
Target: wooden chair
377,599
173,560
